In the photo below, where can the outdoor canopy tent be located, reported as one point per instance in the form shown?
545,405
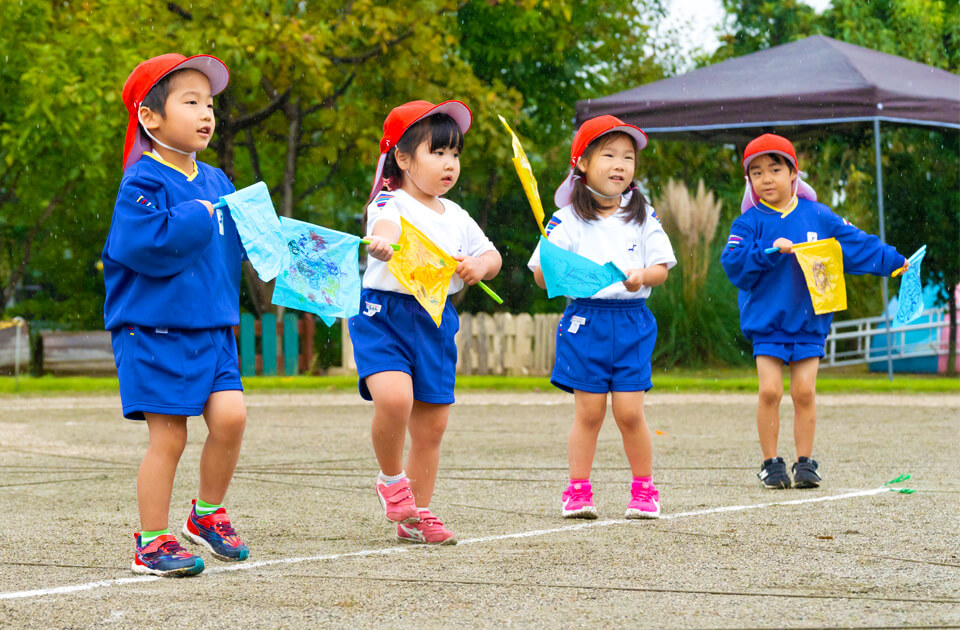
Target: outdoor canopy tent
793,88
812,81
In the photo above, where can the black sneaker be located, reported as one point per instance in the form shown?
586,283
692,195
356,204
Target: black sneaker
805,473
773,474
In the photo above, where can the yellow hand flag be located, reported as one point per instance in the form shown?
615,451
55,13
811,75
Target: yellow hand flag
822,265
423,268
522,164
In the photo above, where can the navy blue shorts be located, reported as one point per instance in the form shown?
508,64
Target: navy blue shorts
788,352
605,346
393,333
173,371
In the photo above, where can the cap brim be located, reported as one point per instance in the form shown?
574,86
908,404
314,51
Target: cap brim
790,158
456,110
215,70
634,132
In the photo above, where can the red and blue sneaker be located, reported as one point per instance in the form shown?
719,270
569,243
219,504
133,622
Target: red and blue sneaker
165,557
215,532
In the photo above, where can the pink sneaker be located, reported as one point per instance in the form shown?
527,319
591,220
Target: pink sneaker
397,501
429,531
578,501
644,500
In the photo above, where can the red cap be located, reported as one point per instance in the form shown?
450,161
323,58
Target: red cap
769,143
404,116
587,133
142,80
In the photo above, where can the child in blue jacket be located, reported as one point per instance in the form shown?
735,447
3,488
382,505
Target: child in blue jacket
171,265
776,312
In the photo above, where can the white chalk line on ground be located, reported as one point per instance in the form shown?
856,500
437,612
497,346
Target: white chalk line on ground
246,566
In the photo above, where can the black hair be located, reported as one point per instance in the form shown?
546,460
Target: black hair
156,98
442,131
778,159
586,206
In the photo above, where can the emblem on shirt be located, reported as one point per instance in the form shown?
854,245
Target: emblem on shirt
633,248
372,309
575,322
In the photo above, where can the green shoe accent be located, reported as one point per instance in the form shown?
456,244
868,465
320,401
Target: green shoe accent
202,508
148,537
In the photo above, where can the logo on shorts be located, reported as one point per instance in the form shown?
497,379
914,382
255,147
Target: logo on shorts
372,309
811,236
220,220
575,322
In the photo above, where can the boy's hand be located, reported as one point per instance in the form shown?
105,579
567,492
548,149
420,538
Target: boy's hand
901,270
379,248
785,245
208,205
634,281
471,270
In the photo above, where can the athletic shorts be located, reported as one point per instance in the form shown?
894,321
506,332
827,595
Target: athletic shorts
605,346
173,371
393,333
788,352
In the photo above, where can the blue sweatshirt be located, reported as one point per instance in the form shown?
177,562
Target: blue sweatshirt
774,301
167,263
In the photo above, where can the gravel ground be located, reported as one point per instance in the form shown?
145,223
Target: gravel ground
322,554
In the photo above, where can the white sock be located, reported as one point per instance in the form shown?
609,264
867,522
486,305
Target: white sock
389,480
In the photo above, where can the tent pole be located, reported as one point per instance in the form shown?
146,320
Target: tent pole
883,237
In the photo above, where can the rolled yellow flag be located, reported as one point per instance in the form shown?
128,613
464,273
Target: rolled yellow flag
529,182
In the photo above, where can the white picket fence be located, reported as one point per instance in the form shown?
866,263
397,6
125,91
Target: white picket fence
498,344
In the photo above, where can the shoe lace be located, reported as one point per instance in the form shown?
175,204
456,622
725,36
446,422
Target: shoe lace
645,491
171,547
223,527
579,494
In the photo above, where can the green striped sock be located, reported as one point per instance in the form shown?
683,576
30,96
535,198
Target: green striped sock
148,537
203,508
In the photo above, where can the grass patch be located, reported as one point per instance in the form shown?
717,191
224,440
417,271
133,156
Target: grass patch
671,380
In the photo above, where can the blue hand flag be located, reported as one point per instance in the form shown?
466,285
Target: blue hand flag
321,272
259,228
571,274
910,299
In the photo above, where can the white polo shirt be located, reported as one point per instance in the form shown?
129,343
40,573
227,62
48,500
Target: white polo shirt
454,231
626,244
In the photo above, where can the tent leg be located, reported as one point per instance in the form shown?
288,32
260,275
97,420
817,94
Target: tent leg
883,238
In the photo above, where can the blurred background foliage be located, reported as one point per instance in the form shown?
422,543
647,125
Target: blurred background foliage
311,83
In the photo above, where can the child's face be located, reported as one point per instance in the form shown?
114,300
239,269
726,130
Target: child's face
609,170
434,173
188,121
772,181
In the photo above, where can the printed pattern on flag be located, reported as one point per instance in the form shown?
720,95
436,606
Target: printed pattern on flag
822,265
910,299
321,272
567,273
423,269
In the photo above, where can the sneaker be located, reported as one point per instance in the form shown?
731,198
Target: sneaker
397,501
429,530
578,501
773,474
644,500
805,473
165,557
215,532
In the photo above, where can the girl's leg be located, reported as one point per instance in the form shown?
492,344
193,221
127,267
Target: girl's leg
226,416
770,373
588,412
427,425
168,437
637,443
392,394
803,388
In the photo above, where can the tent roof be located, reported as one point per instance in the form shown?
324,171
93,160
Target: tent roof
817,80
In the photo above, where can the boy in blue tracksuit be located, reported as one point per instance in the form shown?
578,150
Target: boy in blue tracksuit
776,312
171,266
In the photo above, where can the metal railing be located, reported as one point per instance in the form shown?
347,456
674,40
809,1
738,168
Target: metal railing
852,341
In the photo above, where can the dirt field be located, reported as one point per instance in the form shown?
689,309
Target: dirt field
725,554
